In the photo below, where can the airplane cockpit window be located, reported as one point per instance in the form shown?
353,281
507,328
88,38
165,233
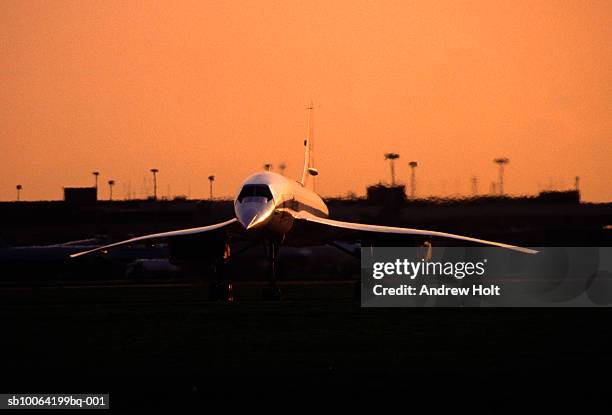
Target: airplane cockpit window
255,191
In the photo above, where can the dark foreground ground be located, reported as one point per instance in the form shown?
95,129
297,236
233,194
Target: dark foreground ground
164,345
155,344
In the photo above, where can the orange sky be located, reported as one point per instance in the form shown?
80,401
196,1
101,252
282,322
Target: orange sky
201,87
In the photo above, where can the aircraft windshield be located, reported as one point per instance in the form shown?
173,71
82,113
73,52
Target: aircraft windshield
255,190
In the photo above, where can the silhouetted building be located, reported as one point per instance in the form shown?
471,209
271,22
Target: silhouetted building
569,196
386,195
80,195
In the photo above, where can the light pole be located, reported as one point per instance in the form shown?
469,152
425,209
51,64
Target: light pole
268,167
282,168
392,157
111,183
577,183
96,174
502,161
19,187
413,165
211,179
154,171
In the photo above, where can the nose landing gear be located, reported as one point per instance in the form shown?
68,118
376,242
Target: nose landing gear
221,290
271,291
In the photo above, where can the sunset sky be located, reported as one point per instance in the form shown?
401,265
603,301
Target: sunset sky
195,88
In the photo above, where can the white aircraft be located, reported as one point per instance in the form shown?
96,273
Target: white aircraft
280,211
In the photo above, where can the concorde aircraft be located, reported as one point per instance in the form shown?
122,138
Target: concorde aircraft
275,210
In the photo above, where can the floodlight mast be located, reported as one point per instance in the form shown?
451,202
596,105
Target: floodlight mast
413,165
96,174
392,157
154,171
211,179
502,161
111,183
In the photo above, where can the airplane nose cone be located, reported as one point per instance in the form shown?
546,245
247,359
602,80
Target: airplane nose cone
253,215
246,216
255,223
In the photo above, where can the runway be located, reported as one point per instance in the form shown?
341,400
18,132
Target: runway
169,291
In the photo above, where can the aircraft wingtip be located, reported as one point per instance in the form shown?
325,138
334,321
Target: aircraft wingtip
78,254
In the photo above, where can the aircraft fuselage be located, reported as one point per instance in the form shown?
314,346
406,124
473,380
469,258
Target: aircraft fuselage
268,203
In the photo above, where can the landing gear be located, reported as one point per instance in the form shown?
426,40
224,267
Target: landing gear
271,291
220,289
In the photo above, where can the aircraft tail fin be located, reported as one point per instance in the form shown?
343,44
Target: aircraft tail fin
310,170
